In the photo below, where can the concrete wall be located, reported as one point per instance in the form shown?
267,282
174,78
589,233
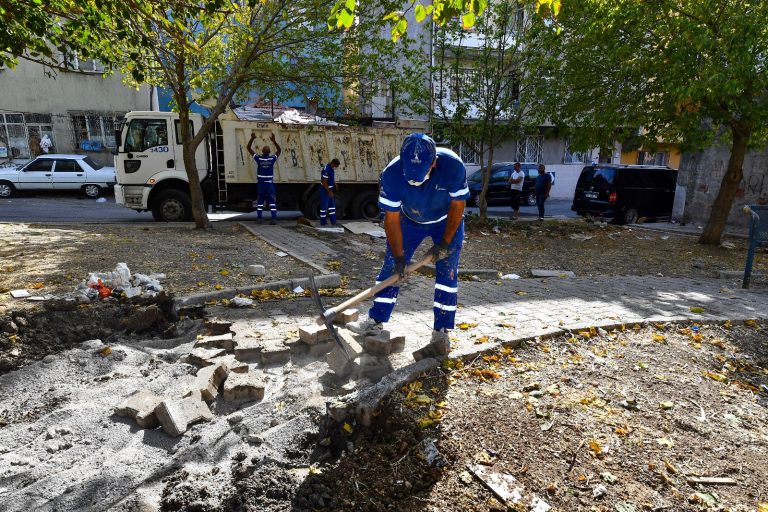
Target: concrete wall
27,89
700,177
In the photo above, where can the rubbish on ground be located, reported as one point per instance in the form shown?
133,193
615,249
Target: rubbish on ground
298,289
281,254
242,302
326,229
609,477
101,200
599,491
365,228
707,480
539,505
496,229
728,245
581,237
431,454
20,294
625,506
118,283
503,485
510,276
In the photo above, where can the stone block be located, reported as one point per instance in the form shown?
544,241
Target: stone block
244,386
340,364
215,326
232,363
209,379
202,356
314,334
141,407
397,344
379,344
177,415
275,353
224,341
256,270
321,348
249,349
296,346
347,316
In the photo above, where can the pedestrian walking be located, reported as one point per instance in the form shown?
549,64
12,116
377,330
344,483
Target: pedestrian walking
265,177
541,188
328,189
423,193
516,180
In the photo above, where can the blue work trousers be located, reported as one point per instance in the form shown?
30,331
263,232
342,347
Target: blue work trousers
327,207
446,273
266,194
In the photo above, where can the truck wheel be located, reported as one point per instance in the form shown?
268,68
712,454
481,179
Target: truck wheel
630,216
6,189
311,208
366,206
172,206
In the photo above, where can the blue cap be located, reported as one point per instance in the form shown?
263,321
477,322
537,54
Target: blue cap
416,155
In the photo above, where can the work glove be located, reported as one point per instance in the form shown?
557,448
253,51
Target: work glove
438,251
400,267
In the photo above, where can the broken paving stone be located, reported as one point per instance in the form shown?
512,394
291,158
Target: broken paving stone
275,353
232,363
244,386
379,344
141,407
347,316
177,415
314,334
203,356
224,341
92,345
539,505
209,379
503,485
249,349
216,327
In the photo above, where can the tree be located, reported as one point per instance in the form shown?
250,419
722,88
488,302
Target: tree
485,82
689,71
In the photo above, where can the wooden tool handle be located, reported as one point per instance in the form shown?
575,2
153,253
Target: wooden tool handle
373,290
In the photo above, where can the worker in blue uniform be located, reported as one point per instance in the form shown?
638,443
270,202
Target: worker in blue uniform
265,177
423,193
327,192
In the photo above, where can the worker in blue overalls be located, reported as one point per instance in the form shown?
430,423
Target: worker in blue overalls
327,192
422,193
265,177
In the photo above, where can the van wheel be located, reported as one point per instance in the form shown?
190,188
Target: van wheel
6,189
172,206
530,199
630,216
474,200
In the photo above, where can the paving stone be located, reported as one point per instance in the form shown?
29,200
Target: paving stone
397,344
244,386
275,353
209,379
202,356
296,346
256,270
141,407
341,363
249,349
379,344
177,415
347,316
232,363
225,341
217,326
313,334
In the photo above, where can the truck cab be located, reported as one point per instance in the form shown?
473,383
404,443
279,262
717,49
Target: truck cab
149,165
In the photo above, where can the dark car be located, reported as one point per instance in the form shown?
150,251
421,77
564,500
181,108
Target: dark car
625,193
498,184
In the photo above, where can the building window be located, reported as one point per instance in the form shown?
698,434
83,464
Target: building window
21,134
466,153
92,131
464,83
648,158
529,149
576,157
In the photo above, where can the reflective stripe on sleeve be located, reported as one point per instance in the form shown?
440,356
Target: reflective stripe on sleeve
391,204
461,192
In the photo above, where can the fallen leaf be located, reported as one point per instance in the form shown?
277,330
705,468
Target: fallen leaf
672,469
719,377
481,340
521,293
697,310
666,405
663,441
105,351
762,506
465,477
751,323
37,286
347,428
623,430
218,287
727,324
224,272
659,338
595,448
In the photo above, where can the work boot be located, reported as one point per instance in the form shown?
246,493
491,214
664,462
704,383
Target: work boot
369,327
439,346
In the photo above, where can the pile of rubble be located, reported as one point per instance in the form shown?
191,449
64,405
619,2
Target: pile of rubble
120,284
219,369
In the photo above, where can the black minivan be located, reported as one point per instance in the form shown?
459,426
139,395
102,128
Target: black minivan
625,193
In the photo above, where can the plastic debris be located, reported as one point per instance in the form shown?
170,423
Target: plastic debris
298,289
281,254
242,302
510,276
101,200
20,294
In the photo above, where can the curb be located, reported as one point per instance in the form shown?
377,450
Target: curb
482,273
290,253
324,281
363,402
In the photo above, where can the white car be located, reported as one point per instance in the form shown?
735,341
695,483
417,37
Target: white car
58,172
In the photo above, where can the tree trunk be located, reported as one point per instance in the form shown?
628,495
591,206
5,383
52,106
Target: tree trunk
199,214
484,191
718,216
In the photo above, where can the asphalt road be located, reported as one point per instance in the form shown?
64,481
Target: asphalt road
71,207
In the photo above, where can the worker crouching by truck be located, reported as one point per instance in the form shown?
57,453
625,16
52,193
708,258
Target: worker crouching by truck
423,193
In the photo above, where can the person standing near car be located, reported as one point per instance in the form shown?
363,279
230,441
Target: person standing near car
541,188
327,189
516,180
265,175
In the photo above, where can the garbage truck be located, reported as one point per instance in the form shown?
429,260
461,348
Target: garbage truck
151,175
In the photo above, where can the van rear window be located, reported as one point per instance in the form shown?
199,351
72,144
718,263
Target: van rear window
596,177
